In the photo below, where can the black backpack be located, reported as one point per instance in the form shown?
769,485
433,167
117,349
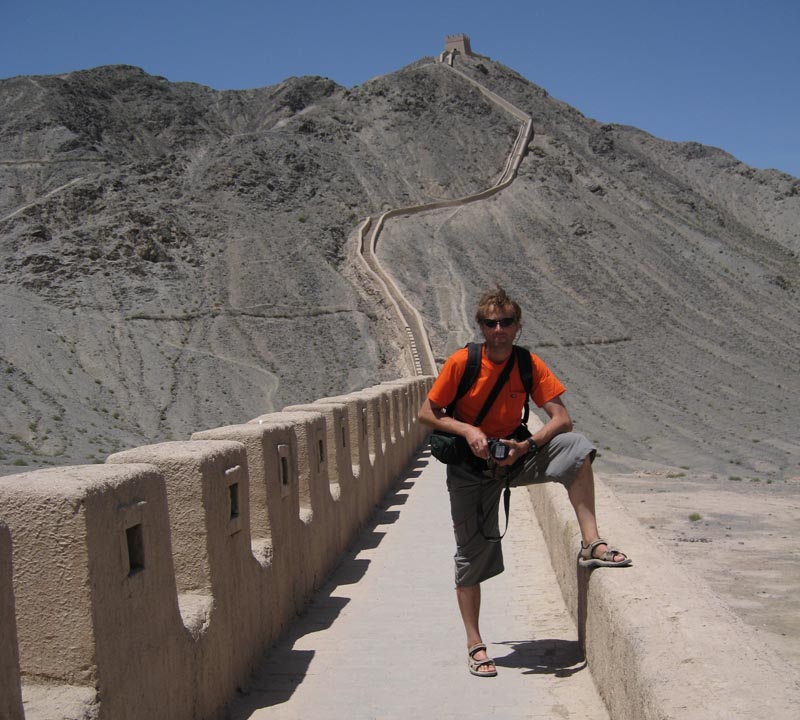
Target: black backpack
523,357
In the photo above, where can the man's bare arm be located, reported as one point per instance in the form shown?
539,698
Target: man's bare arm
434,416
559,422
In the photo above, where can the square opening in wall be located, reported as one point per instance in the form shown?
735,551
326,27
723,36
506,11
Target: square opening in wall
233,491
135,541
284,454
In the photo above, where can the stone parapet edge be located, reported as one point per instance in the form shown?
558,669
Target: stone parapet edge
658,642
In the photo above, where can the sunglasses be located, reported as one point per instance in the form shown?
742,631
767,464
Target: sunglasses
502,322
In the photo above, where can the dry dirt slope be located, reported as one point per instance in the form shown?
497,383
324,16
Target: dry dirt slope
173,257
665,302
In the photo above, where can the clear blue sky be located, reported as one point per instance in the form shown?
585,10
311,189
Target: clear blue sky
720,72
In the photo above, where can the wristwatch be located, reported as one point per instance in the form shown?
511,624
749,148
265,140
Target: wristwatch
533,448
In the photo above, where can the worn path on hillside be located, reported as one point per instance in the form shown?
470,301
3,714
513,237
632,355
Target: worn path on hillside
383,638
412,325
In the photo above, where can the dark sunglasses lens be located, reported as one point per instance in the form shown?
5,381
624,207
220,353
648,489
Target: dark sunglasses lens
503,322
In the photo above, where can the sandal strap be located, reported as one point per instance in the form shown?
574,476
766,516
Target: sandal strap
587,551
475,648
476,664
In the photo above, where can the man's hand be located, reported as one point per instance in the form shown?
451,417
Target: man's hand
516,450
477,441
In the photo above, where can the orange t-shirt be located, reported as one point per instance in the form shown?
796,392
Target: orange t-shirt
505,414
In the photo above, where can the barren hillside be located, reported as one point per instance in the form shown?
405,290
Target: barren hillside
659,280
173,258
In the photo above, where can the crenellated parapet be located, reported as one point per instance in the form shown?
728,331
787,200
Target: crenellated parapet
152,585
458,43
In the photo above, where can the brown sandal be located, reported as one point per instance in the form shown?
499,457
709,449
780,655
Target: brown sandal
475,665
586,557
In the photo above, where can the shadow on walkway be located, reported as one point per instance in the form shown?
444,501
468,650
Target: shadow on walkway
562,658
285,667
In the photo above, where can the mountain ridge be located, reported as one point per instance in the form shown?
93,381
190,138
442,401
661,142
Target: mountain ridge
194,236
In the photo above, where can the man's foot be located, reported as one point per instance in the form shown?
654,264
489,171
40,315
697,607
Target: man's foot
599,554
479,662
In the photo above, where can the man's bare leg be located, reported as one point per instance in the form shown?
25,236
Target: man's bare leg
581,495
469,603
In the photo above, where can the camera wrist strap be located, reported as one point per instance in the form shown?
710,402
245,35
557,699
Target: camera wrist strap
481,415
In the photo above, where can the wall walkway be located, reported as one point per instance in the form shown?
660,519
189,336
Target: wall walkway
383,638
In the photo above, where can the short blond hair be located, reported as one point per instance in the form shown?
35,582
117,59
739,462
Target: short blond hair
497,298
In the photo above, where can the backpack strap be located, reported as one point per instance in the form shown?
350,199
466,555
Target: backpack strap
473,368
526,373
498,386
471,372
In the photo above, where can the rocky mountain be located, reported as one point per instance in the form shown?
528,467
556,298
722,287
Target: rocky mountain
176,258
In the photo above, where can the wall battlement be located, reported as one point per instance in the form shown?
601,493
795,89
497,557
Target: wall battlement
152,585
457,43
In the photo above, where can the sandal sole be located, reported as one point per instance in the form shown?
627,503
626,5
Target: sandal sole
604,563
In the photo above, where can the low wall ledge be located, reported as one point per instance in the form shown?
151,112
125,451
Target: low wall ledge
72,479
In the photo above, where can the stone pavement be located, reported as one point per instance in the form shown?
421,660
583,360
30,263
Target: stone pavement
383,638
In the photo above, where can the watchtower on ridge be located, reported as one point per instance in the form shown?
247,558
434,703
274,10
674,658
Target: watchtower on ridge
457,43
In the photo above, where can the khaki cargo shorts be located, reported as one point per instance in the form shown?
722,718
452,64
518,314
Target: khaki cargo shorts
475,494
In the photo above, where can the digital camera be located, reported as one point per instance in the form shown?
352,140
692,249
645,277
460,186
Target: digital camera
497,450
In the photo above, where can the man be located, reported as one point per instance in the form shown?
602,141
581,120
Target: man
552,453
